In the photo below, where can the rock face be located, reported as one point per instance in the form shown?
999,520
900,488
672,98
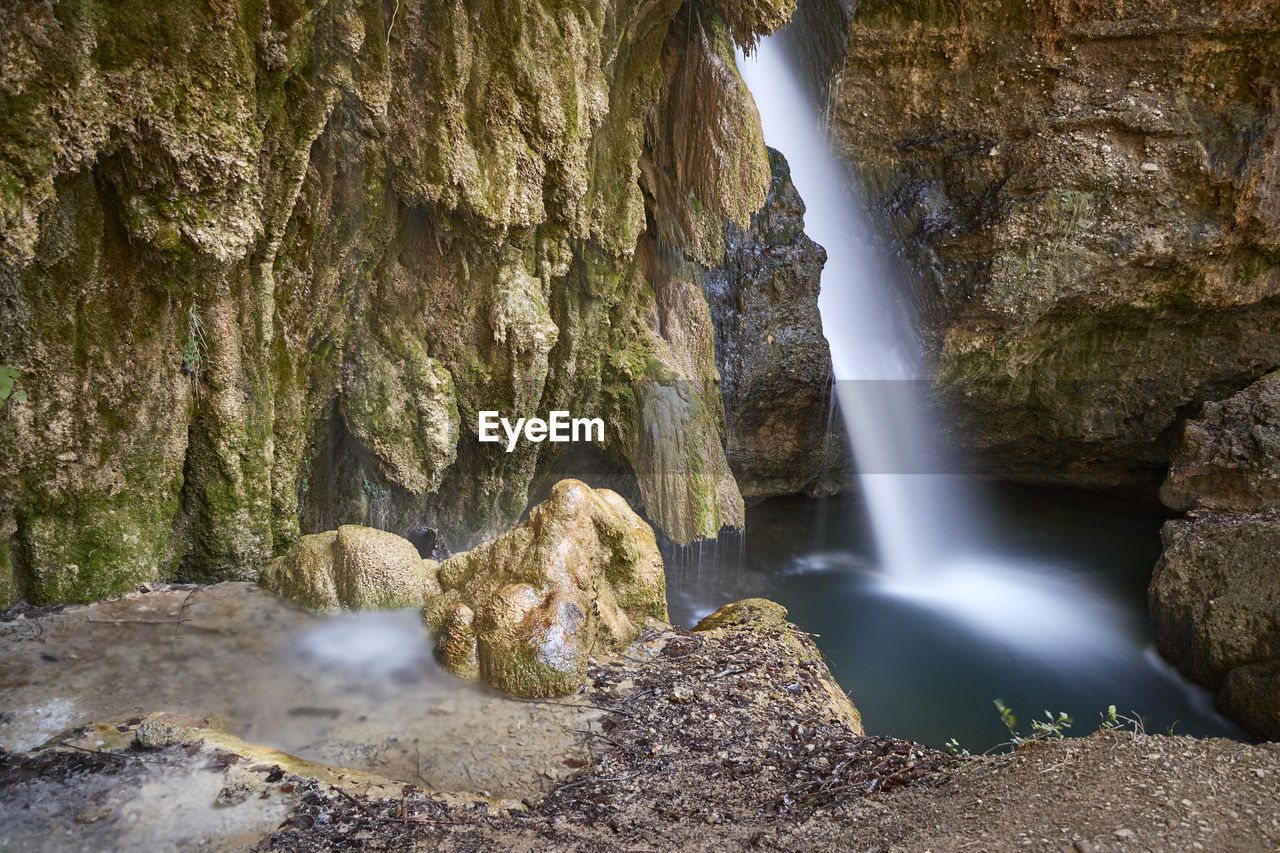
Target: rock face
263,263
1215,594
524,612
1089,197
1215,605
353,567
773,359
1229,460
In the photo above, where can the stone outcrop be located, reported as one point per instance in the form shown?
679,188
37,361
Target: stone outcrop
262,264
354,568
773,359
525,611
1215,594
1089,198
1229,460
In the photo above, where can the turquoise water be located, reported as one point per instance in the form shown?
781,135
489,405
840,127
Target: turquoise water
916,670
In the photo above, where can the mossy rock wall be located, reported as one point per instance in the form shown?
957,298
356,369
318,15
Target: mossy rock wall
263,261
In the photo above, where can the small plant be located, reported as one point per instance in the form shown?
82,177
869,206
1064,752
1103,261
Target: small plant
1109,720
195,350
1007,717
953,747
1052,726
8,386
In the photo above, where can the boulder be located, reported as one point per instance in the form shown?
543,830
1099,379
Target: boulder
523,612
353,568
769,619
1215,594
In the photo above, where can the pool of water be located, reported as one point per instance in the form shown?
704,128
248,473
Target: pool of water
928,663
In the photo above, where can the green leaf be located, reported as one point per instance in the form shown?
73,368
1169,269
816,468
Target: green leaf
19,396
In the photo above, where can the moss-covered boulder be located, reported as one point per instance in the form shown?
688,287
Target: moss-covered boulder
525,611
354,568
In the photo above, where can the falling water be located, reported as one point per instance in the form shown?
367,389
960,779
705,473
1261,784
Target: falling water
874,350
931,546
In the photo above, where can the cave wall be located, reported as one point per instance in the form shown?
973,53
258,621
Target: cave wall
1088,197
262,261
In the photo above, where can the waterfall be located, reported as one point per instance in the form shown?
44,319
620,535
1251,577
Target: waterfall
915,514
930,540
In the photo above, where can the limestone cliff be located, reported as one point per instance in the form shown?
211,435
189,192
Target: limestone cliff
1088,195
263,263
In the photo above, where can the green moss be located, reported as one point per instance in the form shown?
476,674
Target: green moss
8,586
933,13
518,669
93,549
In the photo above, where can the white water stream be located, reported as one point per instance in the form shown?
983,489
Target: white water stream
931,542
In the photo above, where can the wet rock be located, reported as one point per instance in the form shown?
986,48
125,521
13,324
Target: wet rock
775,367
353,567
524,611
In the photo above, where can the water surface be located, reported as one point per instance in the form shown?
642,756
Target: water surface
929,668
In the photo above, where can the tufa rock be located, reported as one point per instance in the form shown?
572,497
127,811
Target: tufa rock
353,567
524,611
262,263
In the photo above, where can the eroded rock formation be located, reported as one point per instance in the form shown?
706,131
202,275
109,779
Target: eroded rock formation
773,359
353,567
525,611
262,264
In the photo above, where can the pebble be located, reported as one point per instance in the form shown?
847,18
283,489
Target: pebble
1124,833
1150,167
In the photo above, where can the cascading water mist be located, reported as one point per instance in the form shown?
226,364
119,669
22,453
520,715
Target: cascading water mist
931,545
